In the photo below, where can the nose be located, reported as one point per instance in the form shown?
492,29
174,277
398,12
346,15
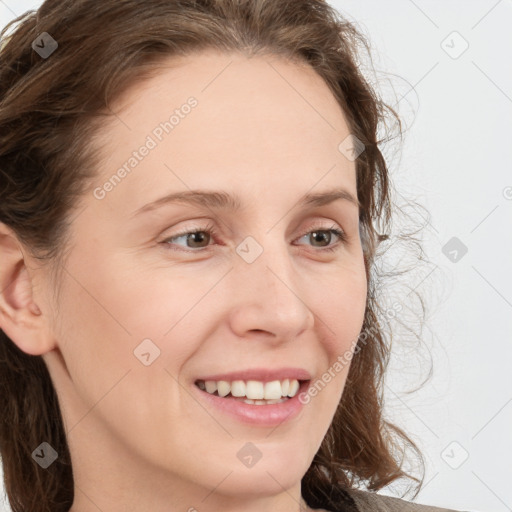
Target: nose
270,298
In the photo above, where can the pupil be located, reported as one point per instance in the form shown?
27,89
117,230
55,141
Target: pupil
322,234
199,234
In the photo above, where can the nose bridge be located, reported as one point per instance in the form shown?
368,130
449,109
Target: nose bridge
271,289
267,263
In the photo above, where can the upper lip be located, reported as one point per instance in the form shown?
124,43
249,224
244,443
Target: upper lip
261,374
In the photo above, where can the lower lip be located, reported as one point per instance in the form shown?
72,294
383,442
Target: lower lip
260,415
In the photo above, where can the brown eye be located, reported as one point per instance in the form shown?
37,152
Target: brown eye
323,236
194,239
198,237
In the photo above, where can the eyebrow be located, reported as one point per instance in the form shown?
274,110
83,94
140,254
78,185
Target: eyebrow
219,200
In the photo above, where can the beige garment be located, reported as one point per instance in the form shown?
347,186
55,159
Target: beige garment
372,502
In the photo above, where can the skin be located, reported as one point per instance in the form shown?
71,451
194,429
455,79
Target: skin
138,440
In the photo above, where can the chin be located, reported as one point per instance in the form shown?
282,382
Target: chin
274,471
256,484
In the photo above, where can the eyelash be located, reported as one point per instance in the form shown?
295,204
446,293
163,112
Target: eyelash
213,233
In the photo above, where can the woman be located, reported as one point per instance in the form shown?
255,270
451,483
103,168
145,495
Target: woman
172,336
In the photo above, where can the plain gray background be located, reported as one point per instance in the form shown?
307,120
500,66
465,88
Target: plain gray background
456,160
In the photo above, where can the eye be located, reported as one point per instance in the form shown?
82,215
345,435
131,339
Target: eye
200,237
195,236
324,234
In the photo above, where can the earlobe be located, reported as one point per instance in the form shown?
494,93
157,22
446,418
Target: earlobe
21,318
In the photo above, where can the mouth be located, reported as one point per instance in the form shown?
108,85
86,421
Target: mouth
255,403
253,392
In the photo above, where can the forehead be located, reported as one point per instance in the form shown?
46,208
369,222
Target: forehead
257,122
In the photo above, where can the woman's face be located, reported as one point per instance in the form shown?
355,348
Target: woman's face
145,312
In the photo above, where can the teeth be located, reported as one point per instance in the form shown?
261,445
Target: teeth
294,387
223,387
266,402
285,387
273,390
238,388
211,386
253,390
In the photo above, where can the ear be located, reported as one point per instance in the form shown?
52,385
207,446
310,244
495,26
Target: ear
21,319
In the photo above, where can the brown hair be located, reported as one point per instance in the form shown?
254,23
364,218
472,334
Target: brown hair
49,111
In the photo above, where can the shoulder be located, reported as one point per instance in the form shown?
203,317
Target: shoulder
367,501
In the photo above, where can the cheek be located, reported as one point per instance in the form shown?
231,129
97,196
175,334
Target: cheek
94,336
129,305
100,329
344,306
343,309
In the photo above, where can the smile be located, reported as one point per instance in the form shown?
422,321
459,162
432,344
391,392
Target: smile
257,403
252,391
